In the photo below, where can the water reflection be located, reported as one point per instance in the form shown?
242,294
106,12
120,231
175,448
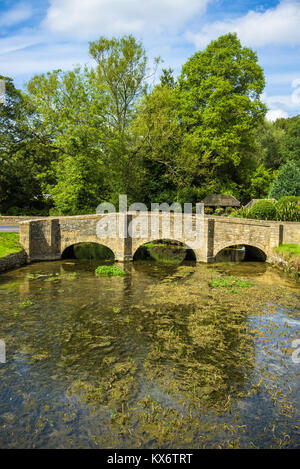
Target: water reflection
166,356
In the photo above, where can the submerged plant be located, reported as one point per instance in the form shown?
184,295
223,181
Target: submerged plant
109,270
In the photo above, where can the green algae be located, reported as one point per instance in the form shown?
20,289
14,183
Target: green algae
109,270
162,360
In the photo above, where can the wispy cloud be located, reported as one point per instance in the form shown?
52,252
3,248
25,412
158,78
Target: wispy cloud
279,25
85,18
16,15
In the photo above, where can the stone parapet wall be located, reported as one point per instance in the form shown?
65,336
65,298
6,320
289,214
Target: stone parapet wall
13,220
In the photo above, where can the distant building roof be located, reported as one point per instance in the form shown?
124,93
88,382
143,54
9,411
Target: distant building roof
252,202
220,200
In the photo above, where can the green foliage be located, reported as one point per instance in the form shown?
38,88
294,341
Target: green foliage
290,144
292,249
219,107
263,210
229,282
287,181
288,210
24,156
9,244
70,107
77,138
290,198
219,211
109,270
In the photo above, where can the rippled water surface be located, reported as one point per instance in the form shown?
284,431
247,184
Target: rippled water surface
167,356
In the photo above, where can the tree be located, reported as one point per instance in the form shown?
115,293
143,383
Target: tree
290,144
260,183
158,142
219,108
287,181
23,157
268,138
69,113
122,74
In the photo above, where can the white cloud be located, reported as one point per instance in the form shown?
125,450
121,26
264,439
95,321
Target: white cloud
279,25
85,18
16,15
276,114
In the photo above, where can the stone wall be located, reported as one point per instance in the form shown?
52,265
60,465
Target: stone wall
13,220
13,261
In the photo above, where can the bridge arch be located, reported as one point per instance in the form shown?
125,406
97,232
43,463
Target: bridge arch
252,252
189,254
94,248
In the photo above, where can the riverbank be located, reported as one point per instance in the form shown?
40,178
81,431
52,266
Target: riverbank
287,258
12,254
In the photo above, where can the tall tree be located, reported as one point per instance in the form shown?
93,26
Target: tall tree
290,143
23,157
219,108
70,112
287,181
122,73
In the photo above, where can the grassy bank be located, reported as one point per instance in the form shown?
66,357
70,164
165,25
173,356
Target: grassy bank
290,253
9,244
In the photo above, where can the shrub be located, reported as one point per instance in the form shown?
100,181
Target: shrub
243,212
229,210
288,210
219,211
208,210
263,210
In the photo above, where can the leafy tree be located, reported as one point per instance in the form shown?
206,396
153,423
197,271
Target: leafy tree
219,108
167,78
70,113
260,183
290,144
287,181
22,156
122,74
268,138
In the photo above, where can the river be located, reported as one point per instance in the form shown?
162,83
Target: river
168,356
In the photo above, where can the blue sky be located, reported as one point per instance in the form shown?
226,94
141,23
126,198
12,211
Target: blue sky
41,35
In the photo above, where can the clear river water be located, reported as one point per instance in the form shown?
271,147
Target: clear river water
168,356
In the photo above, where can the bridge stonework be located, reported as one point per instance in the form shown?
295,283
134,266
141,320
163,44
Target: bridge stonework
47,238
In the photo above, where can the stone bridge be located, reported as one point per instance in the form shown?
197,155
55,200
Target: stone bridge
48,238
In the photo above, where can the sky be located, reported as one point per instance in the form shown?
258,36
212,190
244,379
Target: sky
37,36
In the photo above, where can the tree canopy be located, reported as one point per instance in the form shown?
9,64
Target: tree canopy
76,138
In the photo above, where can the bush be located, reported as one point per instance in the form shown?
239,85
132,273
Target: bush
229,210
288,210
290,198
219,211
208,210
263,210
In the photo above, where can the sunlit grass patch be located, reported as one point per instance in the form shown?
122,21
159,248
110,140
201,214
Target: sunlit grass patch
9,244
230,282
109,270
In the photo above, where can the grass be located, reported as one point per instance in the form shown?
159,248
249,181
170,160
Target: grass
109,270
229,282
289,249
291,255
9,244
